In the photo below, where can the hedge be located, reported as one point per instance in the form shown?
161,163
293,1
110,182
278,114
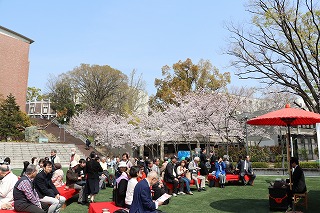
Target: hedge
306,165
260,165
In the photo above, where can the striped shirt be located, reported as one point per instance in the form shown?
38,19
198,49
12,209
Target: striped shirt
29,191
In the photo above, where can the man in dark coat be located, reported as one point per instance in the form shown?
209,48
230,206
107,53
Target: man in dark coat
46,190
246,169
298,180
142,200
171,176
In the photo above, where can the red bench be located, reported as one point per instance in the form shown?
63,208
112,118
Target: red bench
170,185
97,207
67,193
229,178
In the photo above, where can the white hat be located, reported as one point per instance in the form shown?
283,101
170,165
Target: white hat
73,163
122,164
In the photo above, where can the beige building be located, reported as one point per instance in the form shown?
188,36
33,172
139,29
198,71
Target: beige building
14,65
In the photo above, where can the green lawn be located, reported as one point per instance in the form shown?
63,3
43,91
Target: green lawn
233,198
230,199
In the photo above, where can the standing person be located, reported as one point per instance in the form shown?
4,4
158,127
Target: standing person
88,143
25,196
93,168
76,181
246,169
142,200
203,161
171,176
213,160
47,192
194,169
182,170
133,173
7,182
54,158
74,156
221,172
125,158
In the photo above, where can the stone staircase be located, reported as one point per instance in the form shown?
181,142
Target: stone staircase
24,151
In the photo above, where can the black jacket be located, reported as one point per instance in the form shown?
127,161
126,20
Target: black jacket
298,180
168,174
44,185
93,168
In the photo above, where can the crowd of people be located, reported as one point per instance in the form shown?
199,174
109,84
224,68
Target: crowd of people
137,182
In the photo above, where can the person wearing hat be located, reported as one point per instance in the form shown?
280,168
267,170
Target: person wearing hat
121,185
194,168
76,181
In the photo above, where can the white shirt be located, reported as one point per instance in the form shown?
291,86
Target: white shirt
6,188
130,189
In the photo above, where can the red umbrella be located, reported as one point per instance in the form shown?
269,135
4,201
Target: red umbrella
286,117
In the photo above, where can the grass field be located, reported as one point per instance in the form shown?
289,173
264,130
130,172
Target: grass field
232,198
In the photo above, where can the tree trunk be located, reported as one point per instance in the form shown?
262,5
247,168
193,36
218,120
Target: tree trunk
162,150
141,151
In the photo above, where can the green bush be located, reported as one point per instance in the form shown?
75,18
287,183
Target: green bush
260,165
306,165
279,164
309,165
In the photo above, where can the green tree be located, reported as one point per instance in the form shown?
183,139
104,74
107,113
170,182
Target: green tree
137,96
62,96
100,87
183,77
12,120
281,47
33,93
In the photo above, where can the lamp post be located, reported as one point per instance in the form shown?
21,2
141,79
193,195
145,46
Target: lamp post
246,127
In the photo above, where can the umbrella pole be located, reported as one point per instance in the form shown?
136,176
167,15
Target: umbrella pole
288,157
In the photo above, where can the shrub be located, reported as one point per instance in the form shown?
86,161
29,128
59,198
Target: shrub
260,165
309,165
306,165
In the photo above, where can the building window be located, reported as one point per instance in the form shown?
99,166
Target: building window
45,110
31,109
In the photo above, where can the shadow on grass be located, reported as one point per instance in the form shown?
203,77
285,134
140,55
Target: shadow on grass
241,205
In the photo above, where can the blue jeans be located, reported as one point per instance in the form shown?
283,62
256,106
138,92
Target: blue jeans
187,183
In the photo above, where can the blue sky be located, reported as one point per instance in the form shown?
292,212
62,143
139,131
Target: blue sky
125,34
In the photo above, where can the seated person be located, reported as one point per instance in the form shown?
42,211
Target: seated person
25,197
298,180
246,169
133,173
229,166
7,182
221,172
142,200
182,170
47,192
121,185
193,168
171,176
142,173
77,181
57,177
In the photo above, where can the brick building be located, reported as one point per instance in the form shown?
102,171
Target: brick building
14,65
